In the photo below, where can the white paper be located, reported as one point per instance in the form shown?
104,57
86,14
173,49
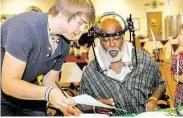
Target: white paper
89,100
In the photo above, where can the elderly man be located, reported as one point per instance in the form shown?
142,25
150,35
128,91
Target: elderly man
115,79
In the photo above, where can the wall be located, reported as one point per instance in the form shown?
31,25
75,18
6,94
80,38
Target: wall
123,7
136,8
19,6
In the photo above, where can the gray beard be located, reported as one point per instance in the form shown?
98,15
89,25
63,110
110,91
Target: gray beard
110,58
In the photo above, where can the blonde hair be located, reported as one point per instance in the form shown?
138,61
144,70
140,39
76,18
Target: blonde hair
73,8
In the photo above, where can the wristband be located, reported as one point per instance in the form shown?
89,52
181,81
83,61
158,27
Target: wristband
153,98
47,93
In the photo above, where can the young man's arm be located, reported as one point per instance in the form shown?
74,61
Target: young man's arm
12,72
50,78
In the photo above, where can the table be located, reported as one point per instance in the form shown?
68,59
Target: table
168,110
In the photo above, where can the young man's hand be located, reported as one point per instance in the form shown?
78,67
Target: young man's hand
58,100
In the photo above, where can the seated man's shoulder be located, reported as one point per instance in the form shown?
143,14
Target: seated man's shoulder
145,57
91,64
142,53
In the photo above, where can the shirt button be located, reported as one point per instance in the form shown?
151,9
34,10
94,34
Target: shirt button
48,55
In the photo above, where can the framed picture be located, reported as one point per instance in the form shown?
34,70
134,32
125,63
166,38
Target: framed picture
136,22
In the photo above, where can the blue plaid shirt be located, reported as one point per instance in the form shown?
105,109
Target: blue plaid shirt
129,94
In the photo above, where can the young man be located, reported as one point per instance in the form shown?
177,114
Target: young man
34,44
116,79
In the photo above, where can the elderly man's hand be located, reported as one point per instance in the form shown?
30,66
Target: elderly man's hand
105,110
71,111
151,105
